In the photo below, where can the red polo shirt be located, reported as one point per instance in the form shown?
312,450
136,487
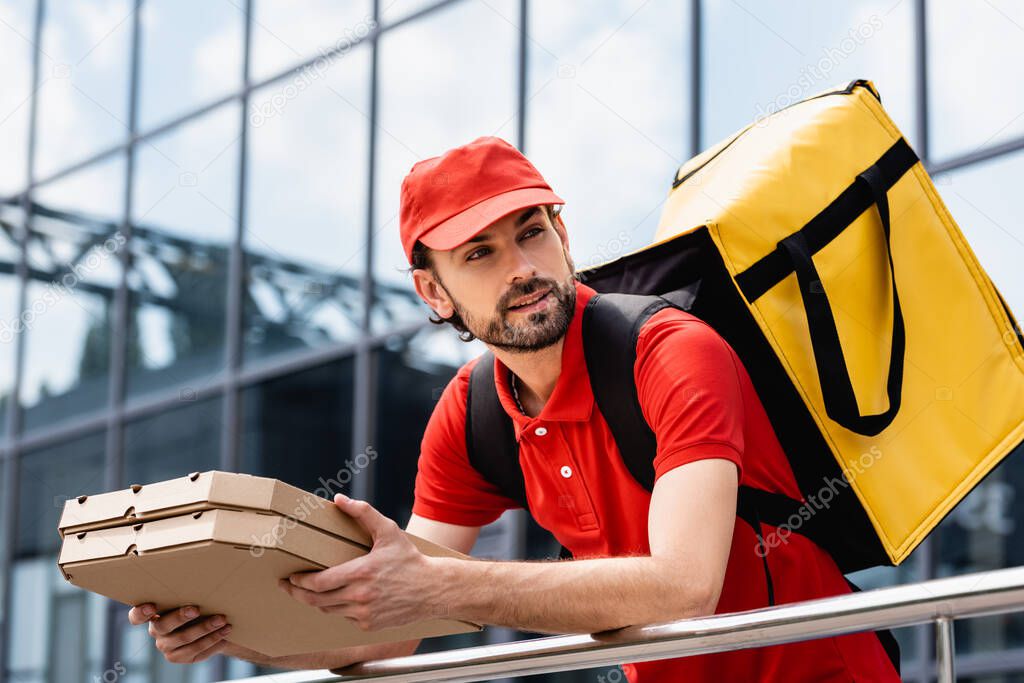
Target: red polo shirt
580,490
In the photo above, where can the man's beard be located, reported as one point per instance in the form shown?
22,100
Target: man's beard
530,332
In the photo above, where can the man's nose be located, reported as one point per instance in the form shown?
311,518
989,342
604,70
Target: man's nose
521,266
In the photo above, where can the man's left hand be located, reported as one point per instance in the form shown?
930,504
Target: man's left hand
392,585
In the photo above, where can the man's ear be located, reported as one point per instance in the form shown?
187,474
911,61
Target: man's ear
429,288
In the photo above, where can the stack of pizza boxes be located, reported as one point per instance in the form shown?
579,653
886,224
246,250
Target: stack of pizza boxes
222,541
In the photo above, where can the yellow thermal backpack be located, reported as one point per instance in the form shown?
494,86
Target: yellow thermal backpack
816,244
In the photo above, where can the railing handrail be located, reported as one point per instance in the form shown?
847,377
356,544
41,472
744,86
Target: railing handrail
938,600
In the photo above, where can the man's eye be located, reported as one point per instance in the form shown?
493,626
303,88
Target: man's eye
472,256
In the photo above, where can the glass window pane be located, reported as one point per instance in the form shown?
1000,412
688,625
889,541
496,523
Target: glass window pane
184,219
17,25
11,224
970,46
174,442
60,631
983,200
982,533
762,56
5,548
287,33
83,94
395,10
191,54
579,69
46,478
304,242
74,253
59,634
298,428
427,108
411,374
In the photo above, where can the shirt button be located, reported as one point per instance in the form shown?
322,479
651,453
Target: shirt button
566,471
541,431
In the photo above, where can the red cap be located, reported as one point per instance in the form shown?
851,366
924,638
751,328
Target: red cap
449,198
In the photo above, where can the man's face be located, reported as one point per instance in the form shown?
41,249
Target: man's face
514,259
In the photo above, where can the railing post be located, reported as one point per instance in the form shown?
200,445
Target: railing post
944,653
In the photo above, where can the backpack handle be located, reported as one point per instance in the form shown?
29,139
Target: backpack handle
833,373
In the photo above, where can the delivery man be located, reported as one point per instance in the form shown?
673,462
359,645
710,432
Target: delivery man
490,255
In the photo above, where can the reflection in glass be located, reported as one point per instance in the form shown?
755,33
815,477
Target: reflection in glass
11,225
191,55
411,374
17,21
83,96
183,221
74,255
969,49
982,533
455,114
607,153
298,428
174,442
760,57
48,477
287,33
983,199
305,239
59,634
395,10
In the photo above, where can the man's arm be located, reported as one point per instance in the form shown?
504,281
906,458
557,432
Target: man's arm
691,518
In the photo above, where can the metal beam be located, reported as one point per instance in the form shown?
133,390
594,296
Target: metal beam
972,595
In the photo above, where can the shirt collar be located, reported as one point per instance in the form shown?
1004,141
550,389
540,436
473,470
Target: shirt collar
572,398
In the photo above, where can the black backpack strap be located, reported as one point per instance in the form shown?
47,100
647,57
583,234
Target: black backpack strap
611,327
490,437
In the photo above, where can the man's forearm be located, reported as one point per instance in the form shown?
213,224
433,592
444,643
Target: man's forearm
578,596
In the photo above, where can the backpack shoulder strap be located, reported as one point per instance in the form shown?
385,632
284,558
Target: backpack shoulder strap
611,328
490,437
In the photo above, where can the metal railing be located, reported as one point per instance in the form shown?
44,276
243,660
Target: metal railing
939,601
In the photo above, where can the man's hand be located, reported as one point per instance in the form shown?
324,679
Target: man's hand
181,634
392,585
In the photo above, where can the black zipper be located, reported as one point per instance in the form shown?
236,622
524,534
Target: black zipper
676,182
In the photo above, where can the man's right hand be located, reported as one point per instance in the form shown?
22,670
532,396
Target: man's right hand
181,635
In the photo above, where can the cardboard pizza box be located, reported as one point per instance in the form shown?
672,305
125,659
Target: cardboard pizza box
206,491
173,544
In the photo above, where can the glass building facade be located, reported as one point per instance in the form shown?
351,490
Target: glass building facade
200,265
